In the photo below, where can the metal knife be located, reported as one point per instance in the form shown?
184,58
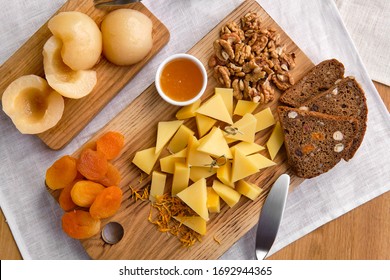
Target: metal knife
271,216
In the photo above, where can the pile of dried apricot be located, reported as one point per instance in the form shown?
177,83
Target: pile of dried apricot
89,185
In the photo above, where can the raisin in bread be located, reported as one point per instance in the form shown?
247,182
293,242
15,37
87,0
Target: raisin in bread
320,78
315,142
345,98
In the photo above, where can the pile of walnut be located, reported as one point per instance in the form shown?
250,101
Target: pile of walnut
247,57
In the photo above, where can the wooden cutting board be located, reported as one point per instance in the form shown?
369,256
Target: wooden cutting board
138,122
111,78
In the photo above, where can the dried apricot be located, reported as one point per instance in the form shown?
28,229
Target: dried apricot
110,144
84,192
79,224
92,164
61,173
107,203
112,177
65,199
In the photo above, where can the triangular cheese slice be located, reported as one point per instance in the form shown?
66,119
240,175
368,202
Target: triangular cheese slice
215,108
275,141
242,166
247,148
264,119
204,124
188,111
261,161
227,96
228,194
165,131
195,157
215,144
244,129
244,107
146,159
195,223
195,196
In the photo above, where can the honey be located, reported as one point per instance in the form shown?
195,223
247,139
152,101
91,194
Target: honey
181,79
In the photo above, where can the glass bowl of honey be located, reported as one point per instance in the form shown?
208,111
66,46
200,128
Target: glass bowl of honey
181,79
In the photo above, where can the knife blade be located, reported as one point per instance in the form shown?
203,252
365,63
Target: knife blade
271,216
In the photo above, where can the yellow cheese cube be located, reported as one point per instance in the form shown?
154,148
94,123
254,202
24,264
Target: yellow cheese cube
195,223
195,157
244,107
224,174
261,161
213,203
249,190
167,164
275,141
181,177
242,166
180,139
165,131
146,159
188,111
157,186
215,144
199,172
195,196
215,108
227,96
264,119
204,124
228,194
247,148
244,129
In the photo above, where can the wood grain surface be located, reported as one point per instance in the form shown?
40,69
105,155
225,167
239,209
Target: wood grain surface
344,238
111,78
361,234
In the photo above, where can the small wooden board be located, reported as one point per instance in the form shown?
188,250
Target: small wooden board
138,122
111,78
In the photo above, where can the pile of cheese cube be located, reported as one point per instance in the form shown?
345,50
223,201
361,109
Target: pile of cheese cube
229,152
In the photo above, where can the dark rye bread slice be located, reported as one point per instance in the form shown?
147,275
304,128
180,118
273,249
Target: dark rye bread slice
345,98
320,78
315,142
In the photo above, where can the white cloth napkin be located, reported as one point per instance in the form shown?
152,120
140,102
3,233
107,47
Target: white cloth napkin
368,22
315,26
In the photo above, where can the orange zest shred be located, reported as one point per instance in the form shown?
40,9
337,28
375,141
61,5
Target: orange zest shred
135,194
161,214
217,240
